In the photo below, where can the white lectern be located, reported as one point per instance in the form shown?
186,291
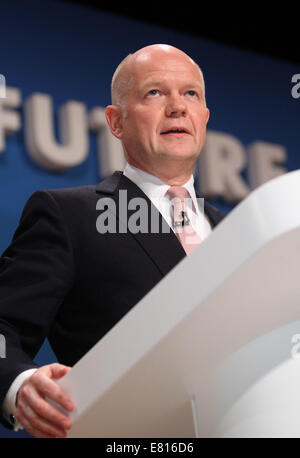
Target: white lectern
215,355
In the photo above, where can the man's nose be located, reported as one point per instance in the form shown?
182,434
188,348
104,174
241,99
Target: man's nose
175,107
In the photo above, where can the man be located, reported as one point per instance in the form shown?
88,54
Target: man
63,279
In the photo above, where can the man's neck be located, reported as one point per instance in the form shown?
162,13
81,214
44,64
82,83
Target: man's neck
171,175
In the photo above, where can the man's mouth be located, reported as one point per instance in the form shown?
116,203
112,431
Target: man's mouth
175,131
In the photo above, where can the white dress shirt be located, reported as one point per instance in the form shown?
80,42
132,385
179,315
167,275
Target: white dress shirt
155,189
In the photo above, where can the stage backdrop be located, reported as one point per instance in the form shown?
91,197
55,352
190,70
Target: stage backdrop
56,65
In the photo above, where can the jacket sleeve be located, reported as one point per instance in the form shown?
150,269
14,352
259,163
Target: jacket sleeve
36,272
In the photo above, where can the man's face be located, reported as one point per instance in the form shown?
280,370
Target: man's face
165,113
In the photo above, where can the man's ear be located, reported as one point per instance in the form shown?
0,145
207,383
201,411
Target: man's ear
114,119
207,115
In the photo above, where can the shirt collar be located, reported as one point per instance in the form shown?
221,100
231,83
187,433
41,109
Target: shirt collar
154,187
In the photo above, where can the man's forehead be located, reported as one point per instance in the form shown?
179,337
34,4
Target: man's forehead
167,74
167,69
162,78
158,61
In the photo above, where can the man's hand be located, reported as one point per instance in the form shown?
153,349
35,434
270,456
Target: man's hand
36,415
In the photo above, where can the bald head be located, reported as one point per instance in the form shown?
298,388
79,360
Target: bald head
124,77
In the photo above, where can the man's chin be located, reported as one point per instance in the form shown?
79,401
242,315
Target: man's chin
180,155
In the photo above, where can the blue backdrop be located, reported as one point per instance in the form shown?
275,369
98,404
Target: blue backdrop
70,53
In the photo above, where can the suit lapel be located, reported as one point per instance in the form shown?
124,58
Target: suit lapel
213,214
163,247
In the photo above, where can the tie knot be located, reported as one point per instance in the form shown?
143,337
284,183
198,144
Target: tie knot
177,191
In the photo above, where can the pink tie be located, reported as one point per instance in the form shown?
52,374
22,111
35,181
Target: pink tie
187,236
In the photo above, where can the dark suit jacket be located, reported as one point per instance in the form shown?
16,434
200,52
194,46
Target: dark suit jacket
63,280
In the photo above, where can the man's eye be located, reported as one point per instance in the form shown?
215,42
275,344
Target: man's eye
152,93
192,93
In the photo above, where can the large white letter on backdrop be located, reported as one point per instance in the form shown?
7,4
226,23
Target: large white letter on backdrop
264,162
221,161
40,135
9,120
